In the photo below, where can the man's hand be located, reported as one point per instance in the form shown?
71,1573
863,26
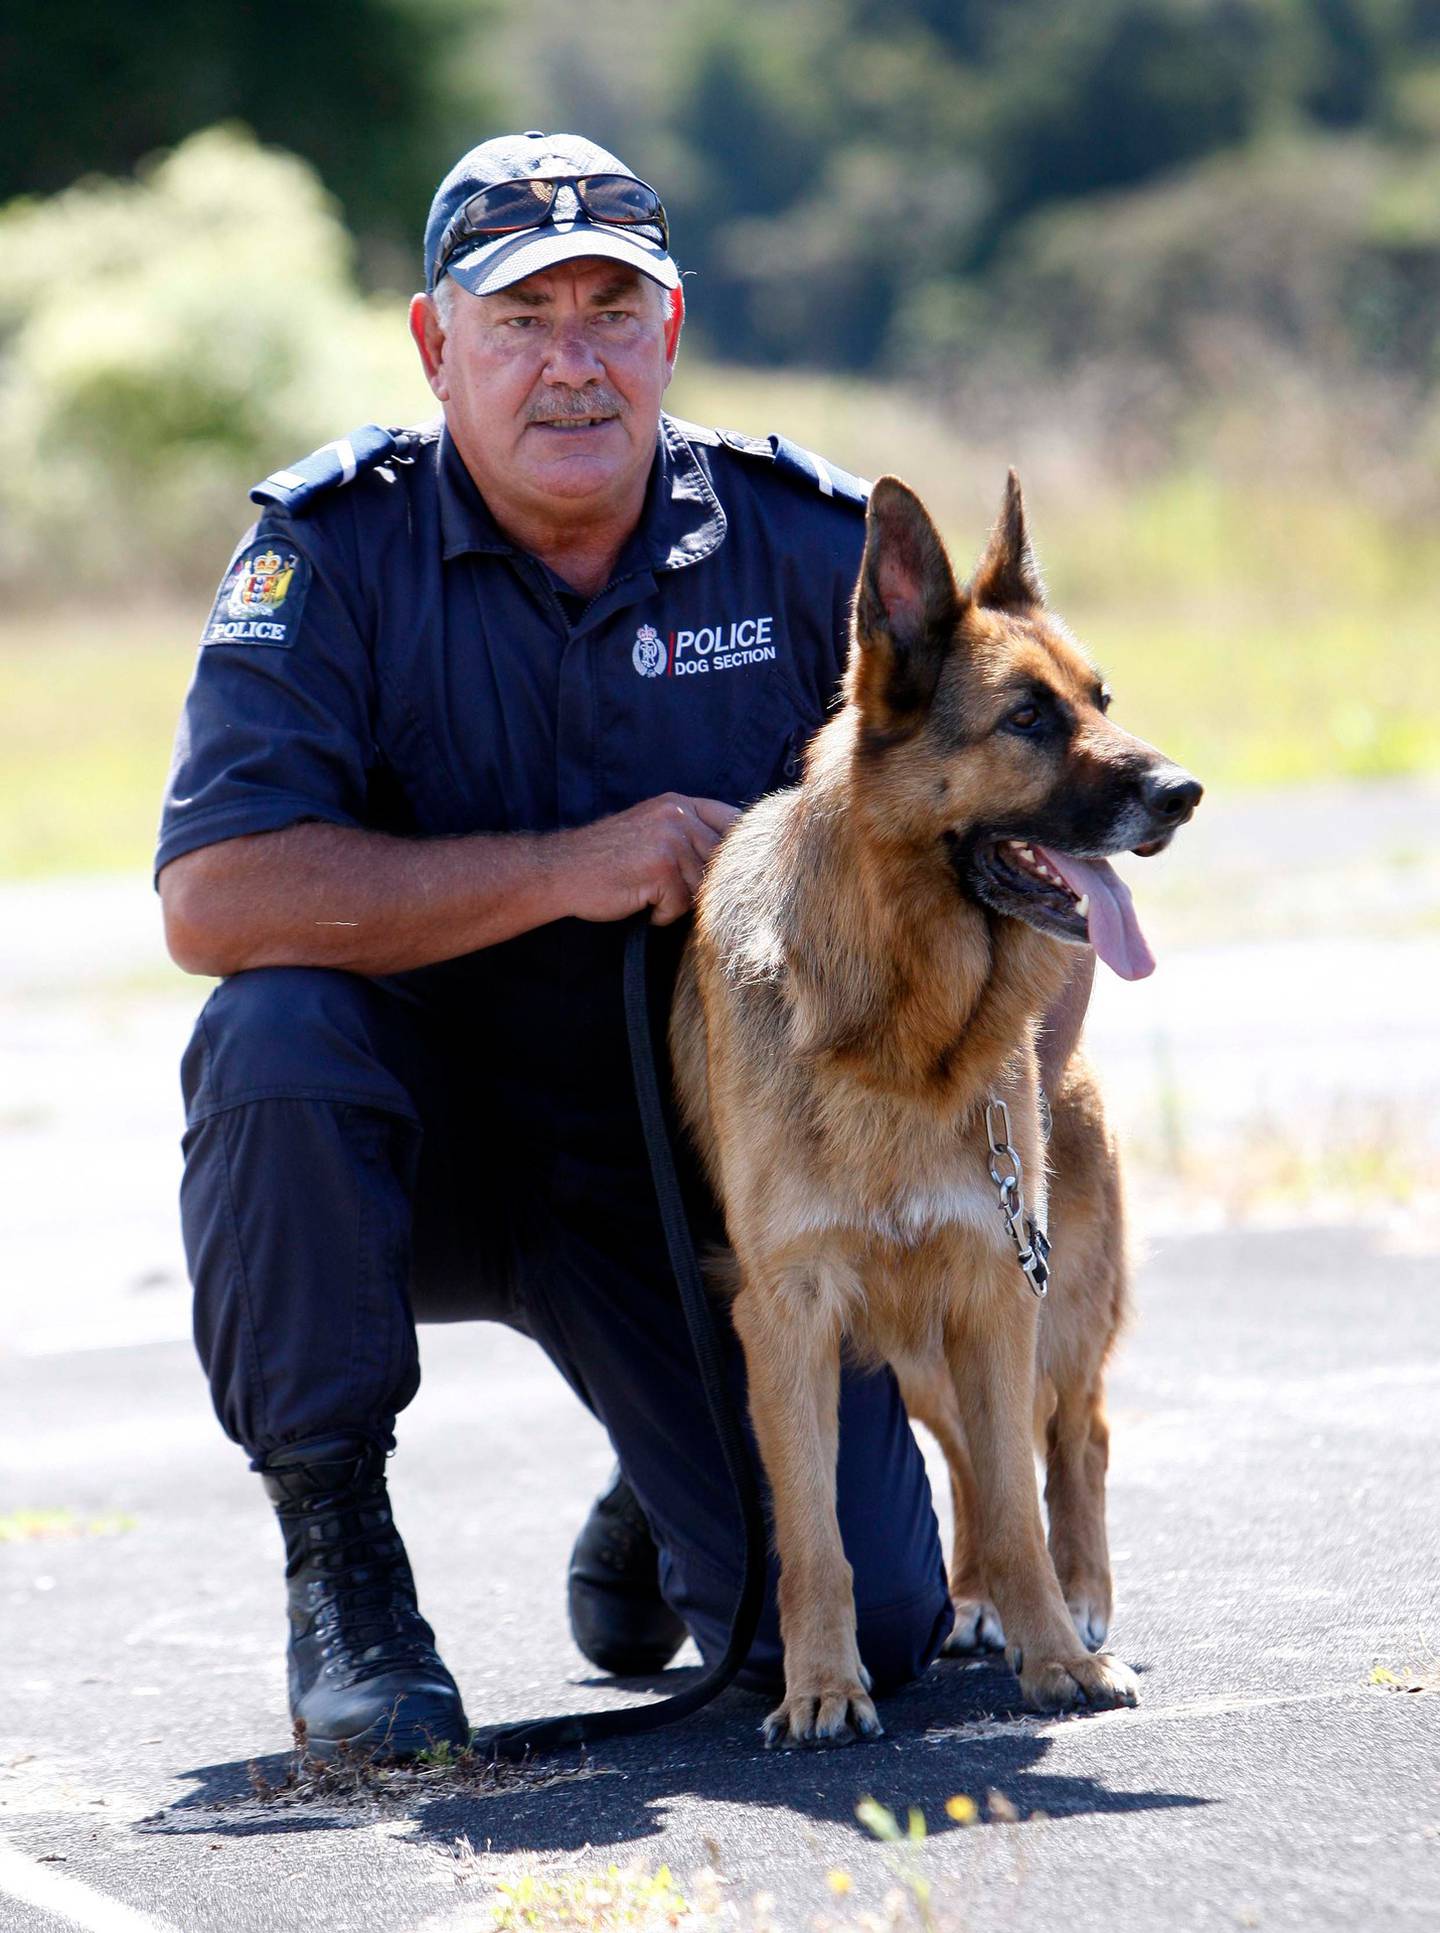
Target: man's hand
651,855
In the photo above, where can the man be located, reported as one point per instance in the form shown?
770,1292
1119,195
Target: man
468,699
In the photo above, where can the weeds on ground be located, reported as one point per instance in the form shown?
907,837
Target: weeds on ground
1406,1678
49,1526
618,1897
360,1777
634,1897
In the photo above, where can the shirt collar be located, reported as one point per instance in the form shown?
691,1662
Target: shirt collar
465,520
680,523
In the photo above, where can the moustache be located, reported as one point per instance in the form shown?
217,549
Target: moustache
597,402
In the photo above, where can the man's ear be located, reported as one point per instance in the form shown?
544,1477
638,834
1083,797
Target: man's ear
428,333
1007,577
906,611
674,323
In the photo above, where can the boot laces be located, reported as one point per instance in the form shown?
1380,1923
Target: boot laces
359,1591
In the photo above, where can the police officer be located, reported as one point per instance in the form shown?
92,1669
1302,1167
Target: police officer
469,696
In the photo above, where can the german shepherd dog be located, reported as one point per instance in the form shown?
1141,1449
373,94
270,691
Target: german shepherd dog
872,955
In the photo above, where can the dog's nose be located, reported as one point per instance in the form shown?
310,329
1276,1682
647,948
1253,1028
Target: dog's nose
1171,794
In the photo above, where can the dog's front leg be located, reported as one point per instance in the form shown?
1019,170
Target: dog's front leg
991,1350
792,1360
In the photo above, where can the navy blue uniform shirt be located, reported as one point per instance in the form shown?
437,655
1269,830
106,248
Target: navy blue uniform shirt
419,673
387,658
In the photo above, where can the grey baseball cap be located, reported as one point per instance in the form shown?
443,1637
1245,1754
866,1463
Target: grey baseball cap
565,230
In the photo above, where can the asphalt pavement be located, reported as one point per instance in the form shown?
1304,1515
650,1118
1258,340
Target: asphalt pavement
1273,1511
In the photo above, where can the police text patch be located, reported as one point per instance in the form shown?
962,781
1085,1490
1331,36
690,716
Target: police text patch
705,647
261,597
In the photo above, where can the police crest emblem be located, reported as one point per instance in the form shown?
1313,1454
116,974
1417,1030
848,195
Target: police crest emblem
648,655
260,598
263,584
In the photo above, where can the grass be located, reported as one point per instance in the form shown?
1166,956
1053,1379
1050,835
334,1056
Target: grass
1340,1163
88,704
1247,695
1264,632
51,1526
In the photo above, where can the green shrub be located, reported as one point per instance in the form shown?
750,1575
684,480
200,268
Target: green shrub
164,342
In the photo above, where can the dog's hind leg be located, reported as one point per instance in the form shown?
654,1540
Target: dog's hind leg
929,1394
991,1346
791,1340
1077,1449
1078,1329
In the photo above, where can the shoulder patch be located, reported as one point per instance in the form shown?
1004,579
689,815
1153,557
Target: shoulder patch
332,465
261,596
803,465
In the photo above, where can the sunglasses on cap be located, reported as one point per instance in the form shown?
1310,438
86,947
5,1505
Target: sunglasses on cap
619,201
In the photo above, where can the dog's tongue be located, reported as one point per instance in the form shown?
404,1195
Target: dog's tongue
1114,930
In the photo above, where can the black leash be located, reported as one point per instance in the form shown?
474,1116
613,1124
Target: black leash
582,1728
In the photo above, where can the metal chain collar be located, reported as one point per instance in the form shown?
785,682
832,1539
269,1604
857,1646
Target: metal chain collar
1032,1245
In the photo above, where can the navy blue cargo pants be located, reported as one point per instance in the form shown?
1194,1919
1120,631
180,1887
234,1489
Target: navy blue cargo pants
464,1141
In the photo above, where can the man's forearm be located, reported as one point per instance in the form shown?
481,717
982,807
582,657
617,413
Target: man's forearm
366,902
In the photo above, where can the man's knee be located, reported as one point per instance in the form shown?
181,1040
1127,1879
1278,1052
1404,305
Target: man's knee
300,1033
898,1642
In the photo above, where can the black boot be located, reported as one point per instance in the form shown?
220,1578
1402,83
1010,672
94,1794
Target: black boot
617,1615
363,1666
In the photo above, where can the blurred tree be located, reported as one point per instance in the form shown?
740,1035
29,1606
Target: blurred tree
751,95
352,85
848,179
839,158
1351,59
1323,252
1116,91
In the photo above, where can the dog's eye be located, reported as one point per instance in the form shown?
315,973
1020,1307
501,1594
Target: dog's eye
1102,697
1025,719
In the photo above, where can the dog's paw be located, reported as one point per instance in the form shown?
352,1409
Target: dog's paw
1098,1682
1090,1614
977,1628
829,1717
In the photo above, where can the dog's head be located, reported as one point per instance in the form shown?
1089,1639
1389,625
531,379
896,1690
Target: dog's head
982,732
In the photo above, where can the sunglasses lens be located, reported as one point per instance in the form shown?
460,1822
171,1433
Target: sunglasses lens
509,204
620,198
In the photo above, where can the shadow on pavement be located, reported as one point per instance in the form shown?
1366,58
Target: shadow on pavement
623,1792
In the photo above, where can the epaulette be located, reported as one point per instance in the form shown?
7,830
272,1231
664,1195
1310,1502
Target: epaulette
332,465
692,432
791,460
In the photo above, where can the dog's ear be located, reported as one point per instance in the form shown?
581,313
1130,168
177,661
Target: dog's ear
1007,577
906,610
